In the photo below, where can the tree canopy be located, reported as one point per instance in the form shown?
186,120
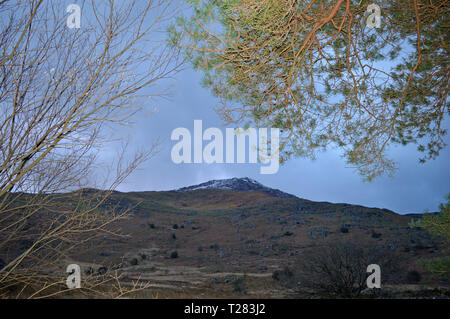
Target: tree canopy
316,70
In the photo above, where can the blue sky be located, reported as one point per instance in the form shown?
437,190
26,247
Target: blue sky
414,187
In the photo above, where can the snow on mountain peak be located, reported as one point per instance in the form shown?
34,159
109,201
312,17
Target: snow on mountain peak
238,185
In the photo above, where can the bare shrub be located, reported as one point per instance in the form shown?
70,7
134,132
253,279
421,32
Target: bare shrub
285,275
339,269
63,94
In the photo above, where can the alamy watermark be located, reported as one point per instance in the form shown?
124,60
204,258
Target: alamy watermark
220,151
374,279
74,279
74,19
374,18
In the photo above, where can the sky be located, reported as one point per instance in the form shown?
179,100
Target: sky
414,188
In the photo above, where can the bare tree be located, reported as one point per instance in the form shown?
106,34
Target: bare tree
62,91
338,269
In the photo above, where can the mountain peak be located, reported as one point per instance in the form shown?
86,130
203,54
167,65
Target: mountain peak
244,184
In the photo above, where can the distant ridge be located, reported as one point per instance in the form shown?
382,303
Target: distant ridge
238,185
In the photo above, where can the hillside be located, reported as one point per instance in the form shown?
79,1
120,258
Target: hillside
223,229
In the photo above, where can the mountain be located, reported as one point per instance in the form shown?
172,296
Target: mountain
200,239
256,223
237,185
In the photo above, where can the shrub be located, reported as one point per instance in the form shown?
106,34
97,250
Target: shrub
340,269
438,267
437,224
284,276
174,255
238,285
143,256
413,277
174,236
175,226
375,234
344,230
134,262
102,270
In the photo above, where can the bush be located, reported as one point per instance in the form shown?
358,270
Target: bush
344,230
102,270
134,262
375,234
238,285
174,255
413,277
437,224
174,236
175,226
340,269
285,275
438,267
